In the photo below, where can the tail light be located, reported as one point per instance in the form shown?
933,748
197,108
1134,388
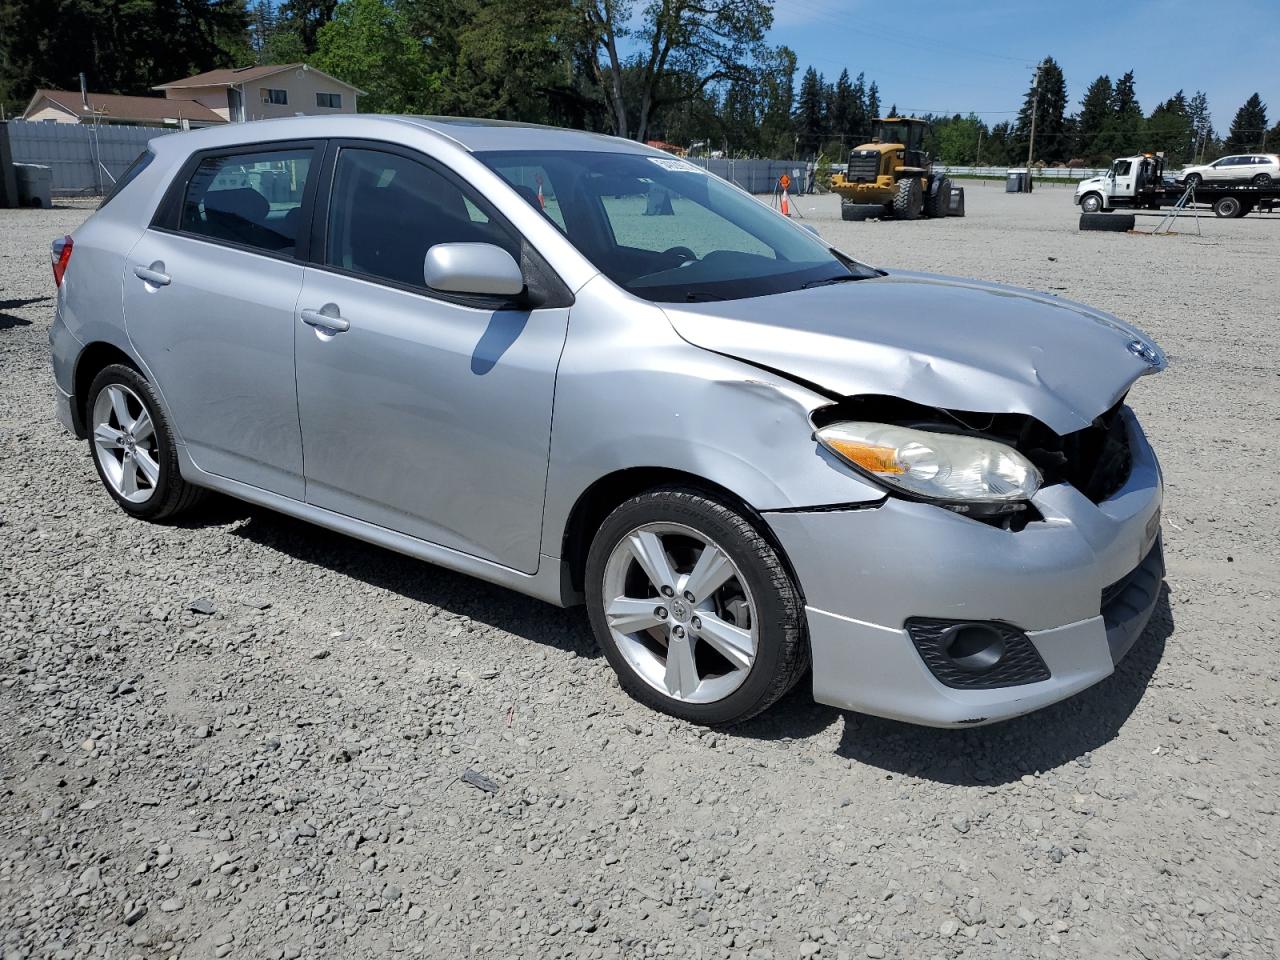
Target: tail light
60,251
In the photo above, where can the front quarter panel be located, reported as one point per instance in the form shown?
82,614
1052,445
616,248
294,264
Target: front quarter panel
631,393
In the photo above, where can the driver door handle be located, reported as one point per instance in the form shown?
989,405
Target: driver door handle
156,278
330,324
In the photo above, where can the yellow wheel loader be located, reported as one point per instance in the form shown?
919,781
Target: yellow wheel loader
892,176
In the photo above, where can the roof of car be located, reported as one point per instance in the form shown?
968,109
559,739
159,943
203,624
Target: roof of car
480,135
469,133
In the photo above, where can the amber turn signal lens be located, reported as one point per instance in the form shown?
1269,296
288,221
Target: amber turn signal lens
870,457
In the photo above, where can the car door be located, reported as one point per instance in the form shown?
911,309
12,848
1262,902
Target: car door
210,293
426,413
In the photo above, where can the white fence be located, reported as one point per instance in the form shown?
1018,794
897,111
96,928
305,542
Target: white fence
85,159
1047,173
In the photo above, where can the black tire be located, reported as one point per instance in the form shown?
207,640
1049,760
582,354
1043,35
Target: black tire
1091,203
1228,207
908,199
1194,180
935,207
856,212
171,495
1262,180
1108,222
956,208
782,652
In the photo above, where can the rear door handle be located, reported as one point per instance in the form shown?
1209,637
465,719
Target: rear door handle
332,323
157,278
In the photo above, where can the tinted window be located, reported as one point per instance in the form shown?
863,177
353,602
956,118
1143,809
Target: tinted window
129,174
387,211
253,199
665,230
331,100
1122,168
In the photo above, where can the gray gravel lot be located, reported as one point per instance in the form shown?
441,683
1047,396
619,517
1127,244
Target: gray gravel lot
281,776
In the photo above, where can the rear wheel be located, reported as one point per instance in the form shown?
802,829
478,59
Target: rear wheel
908,199
1228,207
939,200
133,447
693,608
1262,180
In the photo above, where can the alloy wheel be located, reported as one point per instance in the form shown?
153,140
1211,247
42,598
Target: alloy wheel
680,612
125,443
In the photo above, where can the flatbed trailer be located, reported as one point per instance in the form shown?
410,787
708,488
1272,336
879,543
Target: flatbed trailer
1228,200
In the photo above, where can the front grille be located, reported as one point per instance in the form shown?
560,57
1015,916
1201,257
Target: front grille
1098,459
864,165
1020,664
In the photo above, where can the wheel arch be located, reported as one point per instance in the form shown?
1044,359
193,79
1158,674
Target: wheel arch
610,491
89,363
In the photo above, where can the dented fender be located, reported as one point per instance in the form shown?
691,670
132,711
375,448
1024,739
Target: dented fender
631,393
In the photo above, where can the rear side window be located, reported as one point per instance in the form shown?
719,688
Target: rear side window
131,172
249,199
387,211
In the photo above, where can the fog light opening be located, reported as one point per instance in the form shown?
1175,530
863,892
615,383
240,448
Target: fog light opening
974,647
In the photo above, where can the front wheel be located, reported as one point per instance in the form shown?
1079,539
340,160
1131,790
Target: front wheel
694,608
133,447
1194,180
1091,203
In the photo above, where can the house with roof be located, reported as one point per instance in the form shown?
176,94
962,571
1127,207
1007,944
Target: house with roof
258,93
72,106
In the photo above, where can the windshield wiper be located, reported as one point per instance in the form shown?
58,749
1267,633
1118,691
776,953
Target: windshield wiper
695,297
830,280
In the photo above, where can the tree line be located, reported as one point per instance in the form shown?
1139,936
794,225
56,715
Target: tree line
697,73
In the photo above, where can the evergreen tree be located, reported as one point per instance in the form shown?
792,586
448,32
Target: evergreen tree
859,123
1123,131
121,47
1168,129
1247,127
873,105
1047,96
1095,110
811,113
842,111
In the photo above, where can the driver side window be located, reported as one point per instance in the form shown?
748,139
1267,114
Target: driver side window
387,211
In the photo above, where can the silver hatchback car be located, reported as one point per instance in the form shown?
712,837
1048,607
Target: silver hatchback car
588,371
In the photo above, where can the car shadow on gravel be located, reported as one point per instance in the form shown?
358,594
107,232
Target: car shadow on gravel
414,580
1004,752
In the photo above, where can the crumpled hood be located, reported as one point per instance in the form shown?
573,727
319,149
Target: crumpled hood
937,341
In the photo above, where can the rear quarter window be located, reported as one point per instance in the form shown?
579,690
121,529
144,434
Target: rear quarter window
130,174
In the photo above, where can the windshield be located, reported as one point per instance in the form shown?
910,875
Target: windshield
666,230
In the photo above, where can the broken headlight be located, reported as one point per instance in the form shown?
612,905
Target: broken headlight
958,470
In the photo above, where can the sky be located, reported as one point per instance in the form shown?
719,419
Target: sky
935,57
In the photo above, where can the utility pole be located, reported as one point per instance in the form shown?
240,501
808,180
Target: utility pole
978,161
1035,108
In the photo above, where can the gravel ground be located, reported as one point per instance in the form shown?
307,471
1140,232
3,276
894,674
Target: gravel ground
244,737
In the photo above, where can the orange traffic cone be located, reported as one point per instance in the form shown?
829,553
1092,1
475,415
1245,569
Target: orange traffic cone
786,207
542,201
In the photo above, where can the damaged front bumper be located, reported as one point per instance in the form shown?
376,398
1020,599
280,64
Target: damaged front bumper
1078,584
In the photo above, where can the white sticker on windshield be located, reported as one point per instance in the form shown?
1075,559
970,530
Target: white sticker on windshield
675,166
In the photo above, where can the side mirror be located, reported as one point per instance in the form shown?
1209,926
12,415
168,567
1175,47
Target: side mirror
812,229
477,268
